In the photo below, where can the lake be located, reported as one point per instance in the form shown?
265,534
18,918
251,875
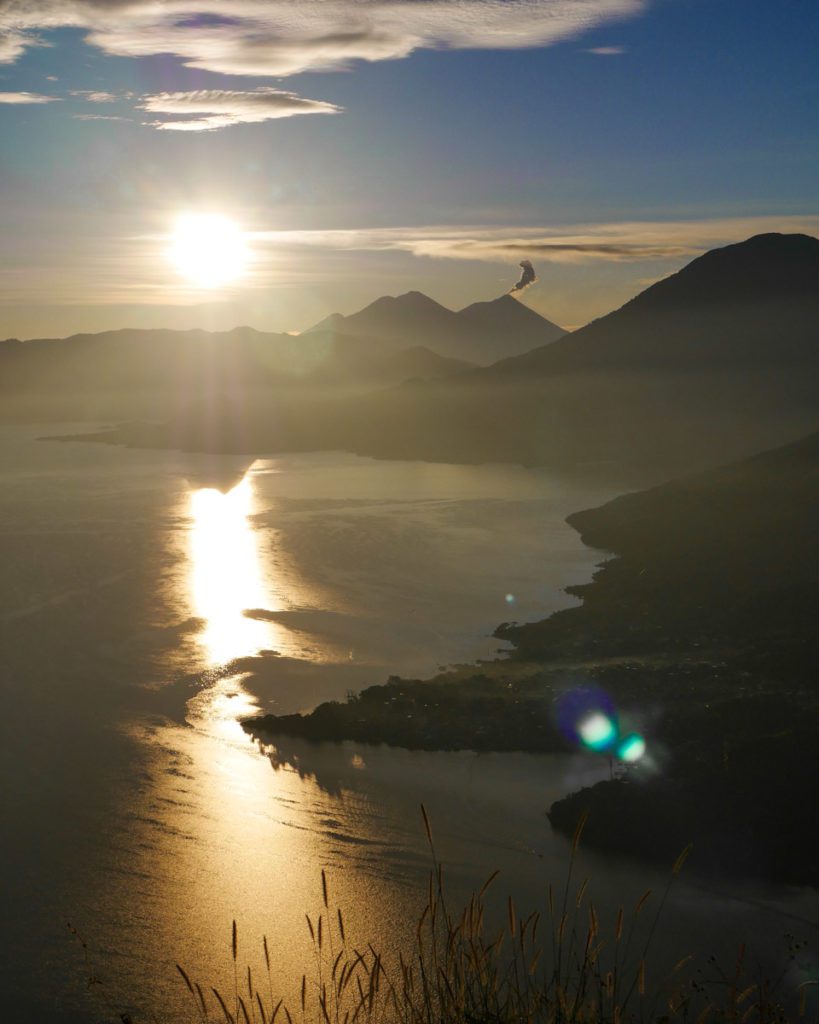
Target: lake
136,809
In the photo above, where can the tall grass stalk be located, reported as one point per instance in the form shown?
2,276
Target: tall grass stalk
453,970
458,970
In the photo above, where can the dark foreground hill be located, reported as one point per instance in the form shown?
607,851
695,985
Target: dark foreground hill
700,634
717,577
725,559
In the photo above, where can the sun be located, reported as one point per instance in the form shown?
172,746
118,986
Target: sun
208,249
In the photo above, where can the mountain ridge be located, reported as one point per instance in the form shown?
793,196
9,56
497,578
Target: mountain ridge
651,388
650,384
738,301
130,373
481,332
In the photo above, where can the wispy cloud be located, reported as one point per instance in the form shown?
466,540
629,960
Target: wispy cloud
26,98
638,241
221,108
97,117
95,97
280,37
127,266
605,51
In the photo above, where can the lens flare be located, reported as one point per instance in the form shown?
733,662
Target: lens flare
597,731
631,748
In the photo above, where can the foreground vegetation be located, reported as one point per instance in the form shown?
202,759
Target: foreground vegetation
564,966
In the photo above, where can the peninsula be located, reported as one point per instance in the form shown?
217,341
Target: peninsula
700,631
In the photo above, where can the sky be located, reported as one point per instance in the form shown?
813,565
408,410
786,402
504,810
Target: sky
371,147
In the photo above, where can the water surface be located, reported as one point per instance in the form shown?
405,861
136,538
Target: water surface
136,807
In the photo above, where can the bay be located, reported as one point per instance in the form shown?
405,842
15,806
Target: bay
135,807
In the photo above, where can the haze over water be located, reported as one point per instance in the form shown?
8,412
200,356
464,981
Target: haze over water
138,808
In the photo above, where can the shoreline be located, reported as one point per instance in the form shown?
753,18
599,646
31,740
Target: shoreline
740,803
699,633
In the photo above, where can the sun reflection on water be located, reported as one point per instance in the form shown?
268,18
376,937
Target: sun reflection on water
227,576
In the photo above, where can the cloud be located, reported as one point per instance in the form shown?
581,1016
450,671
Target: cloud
97,117
14,44
122,263
606,51
26,98
627,242
280,37
221,108
95,97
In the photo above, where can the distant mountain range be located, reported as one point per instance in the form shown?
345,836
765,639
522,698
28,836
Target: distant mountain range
711,364
482,333
132,373
715,362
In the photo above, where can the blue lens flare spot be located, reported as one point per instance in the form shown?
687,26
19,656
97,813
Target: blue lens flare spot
585,706
597,731
510,598
632,748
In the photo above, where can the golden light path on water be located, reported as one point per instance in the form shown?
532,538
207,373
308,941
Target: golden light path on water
230,583
226,577
228,838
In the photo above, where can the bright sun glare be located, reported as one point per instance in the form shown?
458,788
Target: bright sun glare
208,249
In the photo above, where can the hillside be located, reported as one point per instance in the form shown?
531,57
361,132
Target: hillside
726,559
718,577
752,304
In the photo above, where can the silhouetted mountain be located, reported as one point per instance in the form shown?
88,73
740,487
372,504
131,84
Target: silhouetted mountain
483,332
391,316
510,314
407,319
360,360
767,500
717,361
131,373
709,612
728,555
751,304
